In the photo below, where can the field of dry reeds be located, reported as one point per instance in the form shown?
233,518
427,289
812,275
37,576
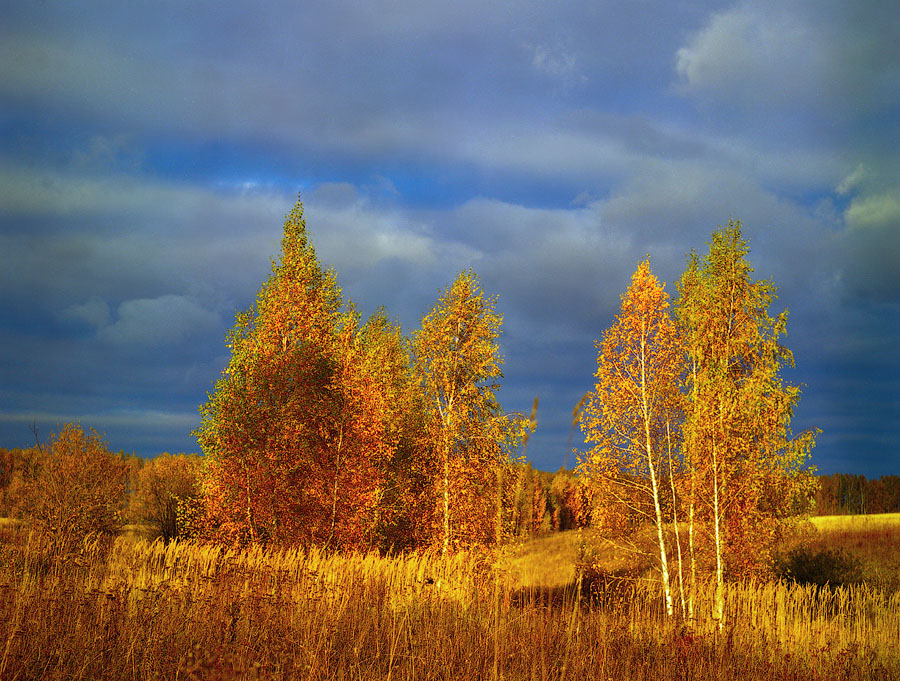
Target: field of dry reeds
138,610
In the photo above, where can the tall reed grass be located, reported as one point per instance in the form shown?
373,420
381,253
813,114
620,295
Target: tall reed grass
138,610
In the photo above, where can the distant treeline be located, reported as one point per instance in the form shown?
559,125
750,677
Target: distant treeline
560,501
844,493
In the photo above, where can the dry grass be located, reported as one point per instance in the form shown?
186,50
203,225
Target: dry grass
873,540
547,561
141,610
880,521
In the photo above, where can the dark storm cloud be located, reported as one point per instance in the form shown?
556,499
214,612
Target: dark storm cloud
149,153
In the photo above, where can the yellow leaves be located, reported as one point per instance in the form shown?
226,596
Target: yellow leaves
636,390
739,407
457,364
455,354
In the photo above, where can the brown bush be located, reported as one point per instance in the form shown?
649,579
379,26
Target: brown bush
75,488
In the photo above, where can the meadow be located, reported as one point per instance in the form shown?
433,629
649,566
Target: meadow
133,609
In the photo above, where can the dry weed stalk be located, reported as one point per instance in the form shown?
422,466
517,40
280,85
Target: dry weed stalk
147,610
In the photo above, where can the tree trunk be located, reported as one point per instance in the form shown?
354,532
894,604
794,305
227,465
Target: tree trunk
720,582
693,588
334,491
446,504
664,564
675,523
249,507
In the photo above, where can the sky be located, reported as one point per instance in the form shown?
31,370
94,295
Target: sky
149,152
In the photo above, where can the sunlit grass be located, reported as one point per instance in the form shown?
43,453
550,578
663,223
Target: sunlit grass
139,610
831,523
547,561
873,540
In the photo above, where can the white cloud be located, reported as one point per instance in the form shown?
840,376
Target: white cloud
101,420
354,235
758,53
158,321
871,245
46,191
140,235
852,180
875,211
553,62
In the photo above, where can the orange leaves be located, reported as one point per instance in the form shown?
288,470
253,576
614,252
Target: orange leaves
321,432
75,487
294,430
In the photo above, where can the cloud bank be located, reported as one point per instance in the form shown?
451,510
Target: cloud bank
149,154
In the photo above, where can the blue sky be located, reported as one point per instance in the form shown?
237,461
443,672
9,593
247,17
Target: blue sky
149,151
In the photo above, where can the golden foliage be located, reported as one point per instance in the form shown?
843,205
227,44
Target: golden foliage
74,488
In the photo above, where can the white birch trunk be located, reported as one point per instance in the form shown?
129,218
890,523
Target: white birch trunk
664,565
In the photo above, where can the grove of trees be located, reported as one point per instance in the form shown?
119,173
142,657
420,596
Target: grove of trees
330,430
690,418
843,493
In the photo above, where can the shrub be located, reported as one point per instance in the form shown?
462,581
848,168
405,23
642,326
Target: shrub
820,567
164,486
76,488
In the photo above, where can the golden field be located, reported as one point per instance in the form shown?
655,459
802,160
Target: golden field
836,523
139,610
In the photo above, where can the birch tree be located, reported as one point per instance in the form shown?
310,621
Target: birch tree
293,431
635,404
457,361
737,438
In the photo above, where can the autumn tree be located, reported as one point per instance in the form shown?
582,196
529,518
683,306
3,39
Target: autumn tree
846,493
541,510
570,500
162,486
635,405
522,482
457,362
14,466
293,431
744,460
74,488
405,492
